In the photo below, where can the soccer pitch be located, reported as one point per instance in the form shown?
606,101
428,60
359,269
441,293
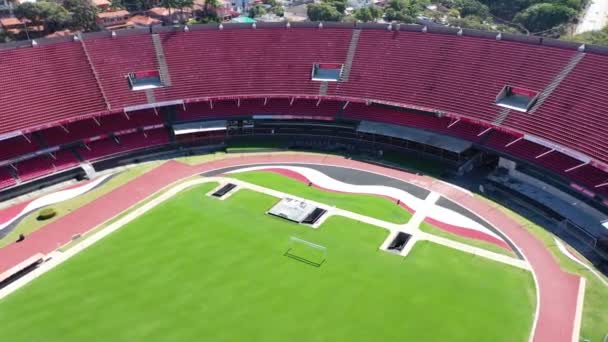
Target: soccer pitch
196,268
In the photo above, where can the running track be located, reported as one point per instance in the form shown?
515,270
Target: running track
558,290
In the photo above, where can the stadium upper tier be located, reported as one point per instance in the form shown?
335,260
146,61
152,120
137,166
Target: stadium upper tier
457,76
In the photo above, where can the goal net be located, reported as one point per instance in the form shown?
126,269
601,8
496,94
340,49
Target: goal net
306,251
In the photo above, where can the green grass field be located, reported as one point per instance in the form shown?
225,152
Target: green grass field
370,205
199,269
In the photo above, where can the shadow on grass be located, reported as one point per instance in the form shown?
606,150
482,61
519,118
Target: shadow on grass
302,259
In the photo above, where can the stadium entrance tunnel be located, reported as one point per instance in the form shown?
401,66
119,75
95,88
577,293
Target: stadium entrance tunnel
224,190
399,242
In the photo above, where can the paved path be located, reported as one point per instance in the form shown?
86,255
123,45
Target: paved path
595,17
557,291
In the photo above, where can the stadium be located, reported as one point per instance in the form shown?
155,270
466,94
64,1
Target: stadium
303,181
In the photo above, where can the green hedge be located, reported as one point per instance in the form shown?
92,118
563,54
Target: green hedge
46,214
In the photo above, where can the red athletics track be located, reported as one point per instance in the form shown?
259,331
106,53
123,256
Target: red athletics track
557,290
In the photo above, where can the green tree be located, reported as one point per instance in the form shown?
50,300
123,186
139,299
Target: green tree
541,17
367,14
472,7
599,37
405,10
279,11
323,12
256,11
83,14
51,16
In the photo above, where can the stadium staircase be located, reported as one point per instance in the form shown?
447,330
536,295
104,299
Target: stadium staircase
86,53
323,88
150,96
162,62
350,55
502,116
556,81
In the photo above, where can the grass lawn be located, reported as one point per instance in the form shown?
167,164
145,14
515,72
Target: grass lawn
370,205
29,224
431,229
595,318
196,268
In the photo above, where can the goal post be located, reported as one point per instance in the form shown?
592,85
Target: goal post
306,251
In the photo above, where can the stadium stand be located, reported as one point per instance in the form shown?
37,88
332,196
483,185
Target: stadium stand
46,84
574,115
219,62
6,178
62,92
113,145
87,128
274,106
447,72
114,58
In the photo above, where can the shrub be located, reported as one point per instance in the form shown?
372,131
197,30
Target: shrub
46,214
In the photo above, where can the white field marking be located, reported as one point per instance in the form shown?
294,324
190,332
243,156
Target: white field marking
580,300
431,210
53,198
56,257
562,248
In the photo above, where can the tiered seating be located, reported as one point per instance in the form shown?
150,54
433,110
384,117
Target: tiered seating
114,58
34,168
98,149
446,125
574,115
45,164
448,72
128,142
106,124
64,159
139,140
46,84
558,162
247,107
590,177
249,62
14,147
6,178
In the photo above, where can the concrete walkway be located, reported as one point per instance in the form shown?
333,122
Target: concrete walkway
595,17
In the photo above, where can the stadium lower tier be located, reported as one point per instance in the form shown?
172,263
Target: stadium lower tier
34,155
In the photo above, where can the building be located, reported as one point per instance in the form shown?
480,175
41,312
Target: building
113,19
143,21
168,15
103,5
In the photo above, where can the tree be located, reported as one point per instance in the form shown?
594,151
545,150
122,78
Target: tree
49,15
405,10
279,11
472,7
256,11
83,14
367,14
181,4
544,16
323,12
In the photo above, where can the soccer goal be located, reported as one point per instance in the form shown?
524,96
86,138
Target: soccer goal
306,251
